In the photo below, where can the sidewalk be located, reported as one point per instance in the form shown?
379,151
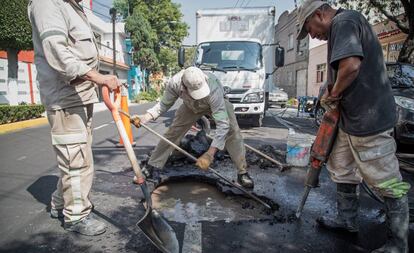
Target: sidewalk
17,126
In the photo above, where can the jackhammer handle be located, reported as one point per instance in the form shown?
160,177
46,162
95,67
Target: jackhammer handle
122,132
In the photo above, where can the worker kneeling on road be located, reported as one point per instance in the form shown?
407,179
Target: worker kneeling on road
202,94
364,148
66,58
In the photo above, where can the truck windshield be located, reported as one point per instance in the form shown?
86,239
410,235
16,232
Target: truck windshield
229,55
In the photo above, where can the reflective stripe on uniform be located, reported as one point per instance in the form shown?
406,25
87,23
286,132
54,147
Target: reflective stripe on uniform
221,115
75,183
396,186
50,33
62,139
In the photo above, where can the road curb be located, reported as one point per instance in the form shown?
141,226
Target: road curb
16,126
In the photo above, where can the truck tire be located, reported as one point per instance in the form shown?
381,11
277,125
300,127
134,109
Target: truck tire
258,120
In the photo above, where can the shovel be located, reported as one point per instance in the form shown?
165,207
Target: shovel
195,159
154,226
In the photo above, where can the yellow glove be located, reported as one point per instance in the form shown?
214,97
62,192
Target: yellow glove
204,161
136,120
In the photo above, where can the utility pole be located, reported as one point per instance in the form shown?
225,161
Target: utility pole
112,11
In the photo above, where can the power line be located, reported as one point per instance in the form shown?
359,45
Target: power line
236,4
98,13
103,5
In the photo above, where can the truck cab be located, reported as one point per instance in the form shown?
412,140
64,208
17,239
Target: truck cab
237,46
238,64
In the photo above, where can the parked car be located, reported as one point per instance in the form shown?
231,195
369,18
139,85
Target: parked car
402,80
278,97
401,76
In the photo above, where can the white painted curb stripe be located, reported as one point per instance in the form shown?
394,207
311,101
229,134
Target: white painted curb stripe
192,238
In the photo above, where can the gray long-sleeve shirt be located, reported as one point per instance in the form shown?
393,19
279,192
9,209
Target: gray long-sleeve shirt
65,50
213,104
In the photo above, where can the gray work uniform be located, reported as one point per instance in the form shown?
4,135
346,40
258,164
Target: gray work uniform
65,50
364,147
227,135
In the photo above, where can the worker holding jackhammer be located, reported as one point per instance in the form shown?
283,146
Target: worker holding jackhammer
364,147
202,94
66,58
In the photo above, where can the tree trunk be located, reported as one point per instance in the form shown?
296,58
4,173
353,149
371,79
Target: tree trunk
13,66
407,49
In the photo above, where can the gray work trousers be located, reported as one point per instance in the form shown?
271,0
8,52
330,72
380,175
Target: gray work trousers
183,120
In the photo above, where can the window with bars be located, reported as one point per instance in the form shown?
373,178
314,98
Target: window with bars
320,72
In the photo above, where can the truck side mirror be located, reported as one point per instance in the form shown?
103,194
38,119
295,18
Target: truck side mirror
181,57
279,56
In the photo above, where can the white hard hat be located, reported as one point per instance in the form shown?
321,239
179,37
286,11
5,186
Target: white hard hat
195,81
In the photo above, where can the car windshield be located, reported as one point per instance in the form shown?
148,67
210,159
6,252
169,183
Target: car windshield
230,55
401,75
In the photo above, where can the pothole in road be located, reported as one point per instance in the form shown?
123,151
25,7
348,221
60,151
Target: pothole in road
188,202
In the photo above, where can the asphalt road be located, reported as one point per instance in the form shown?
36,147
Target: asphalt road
28,176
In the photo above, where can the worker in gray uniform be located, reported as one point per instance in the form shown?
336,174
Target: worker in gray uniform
202,94
66,58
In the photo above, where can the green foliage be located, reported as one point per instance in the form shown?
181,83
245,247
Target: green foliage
189,56
168,60
15,28
122,7
150,96
157,30
16,113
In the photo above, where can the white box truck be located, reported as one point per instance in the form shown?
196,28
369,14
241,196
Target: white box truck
237,45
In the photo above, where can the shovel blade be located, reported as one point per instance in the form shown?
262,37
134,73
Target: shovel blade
159,232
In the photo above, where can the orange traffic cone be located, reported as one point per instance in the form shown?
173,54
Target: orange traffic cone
125,119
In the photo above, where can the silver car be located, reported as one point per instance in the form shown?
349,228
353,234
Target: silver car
278,97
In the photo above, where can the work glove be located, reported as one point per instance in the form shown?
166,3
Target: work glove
330,103
204,161
136,120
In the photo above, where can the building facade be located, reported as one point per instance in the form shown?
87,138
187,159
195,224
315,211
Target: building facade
391,39
26,90
293,76
317,68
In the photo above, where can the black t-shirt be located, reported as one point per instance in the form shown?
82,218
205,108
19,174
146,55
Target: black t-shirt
367,105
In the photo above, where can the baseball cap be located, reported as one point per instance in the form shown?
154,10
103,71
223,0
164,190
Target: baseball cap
304,11
195,81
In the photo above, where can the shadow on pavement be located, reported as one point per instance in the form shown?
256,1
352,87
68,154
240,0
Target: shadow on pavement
43,188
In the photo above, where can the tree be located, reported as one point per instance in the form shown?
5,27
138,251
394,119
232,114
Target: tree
401,12
154,26
15,35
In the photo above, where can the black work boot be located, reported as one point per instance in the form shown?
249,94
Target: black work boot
347,205
89,225
56,213
397,226
245,180
149,172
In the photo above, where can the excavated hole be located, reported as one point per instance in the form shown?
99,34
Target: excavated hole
188,198
189,201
